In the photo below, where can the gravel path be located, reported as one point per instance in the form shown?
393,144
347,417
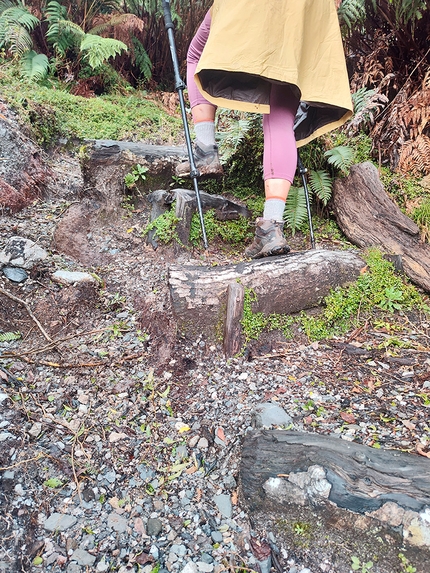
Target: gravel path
120,441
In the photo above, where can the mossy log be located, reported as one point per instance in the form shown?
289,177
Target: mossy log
341,489
368,217
286,284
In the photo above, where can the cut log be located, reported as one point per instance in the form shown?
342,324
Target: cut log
285,284
368,217
340,485
106,163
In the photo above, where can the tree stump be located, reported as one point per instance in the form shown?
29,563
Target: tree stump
368,217
328,487
285,284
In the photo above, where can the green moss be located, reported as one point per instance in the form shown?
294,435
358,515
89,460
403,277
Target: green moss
114,116
379,287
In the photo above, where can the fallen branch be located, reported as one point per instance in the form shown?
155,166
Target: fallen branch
27,308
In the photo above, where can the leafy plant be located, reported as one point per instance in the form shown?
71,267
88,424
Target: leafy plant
16,25
53,482
357,565
421,216
164,227
254,323
138,173
9,336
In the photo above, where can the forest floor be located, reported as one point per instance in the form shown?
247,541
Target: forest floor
120,439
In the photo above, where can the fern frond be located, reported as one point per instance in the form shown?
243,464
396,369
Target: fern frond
352,12
341,157
129,22
16,23
142,60
320,183
35,66
64,35
99,49
295,208
415,156
9,336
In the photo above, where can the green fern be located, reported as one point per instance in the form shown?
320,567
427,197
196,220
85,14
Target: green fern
320,183
352,12
142,59
9,336
16,23
99,49
295,208
341,157
35,66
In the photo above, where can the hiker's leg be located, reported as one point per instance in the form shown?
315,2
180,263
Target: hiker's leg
279,166
203,113
280,150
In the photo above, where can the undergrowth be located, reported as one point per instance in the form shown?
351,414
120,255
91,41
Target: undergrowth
377,288
52,112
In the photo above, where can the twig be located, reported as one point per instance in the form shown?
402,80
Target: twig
27,308
35,459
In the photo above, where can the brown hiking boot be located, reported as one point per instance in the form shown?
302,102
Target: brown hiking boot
206,160
269,240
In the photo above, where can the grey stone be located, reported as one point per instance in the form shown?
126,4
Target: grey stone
117,522
270,414
82,557
223,503
190,567
74,568
153,526
15,275
59,522
206,558
217,536
204,567
21,252
230,482
70,278
180,550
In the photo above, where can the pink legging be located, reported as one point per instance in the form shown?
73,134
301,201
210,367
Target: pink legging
280,150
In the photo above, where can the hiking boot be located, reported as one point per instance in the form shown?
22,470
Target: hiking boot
206,160
269,240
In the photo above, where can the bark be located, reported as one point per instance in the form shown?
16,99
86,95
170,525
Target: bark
285,284
368,217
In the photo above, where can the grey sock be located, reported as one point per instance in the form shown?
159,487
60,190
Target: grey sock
205,132
274,210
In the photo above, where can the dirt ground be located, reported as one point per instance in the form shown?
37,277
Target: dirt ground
100,383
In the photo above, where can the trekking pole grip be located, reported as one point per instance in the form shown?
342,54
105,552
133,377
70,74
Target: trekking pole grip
167,15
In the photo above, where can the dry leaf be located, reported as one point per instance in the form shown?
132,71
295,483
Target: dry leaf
234,498
220,434
347,417
420,450
409,425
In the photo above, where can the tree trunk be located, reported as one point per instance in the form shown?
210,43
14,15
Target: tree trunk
285,284
368,218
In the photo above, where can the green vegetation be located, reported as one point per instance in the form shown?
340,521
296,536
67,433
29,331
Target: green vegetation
253,324
52,112
233,232
378,288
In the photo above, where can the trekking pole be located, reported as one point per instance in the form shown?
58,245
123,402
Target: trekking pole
303,171
179,87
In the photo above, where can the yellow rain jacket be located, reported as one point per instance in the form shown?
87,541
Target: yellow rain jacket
253,43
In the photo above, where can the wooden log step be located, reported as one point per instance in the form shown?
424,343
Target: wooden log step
286,284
